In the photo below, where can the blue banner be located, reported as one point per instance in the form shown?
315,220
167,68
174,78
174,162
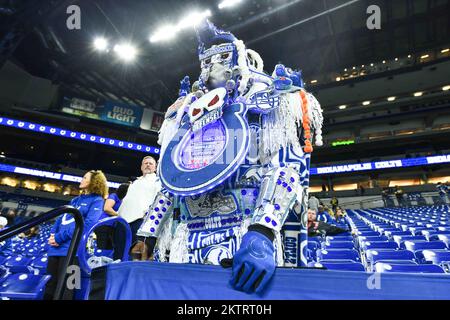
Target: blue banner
379,165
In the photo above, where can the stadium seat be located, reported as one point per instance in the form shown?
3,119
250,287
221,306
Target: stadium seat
337,254
408,268
428,233
339,238
40,264
422,245
388,254
400,239
436,256
368,233
18,264
338,245
338,265
23,286
379,245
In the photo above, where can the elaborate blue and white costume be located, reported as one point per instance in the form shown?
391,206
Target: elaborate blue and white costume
235,156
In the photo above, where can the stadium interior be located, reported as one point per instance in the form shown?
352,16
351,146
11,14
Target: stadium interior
385,96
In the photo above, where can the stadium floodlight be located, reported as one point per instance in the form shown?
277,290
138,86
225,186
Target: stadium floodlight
164,33
366,103
125,51
193,19
228,3
101,44
391,98
418,94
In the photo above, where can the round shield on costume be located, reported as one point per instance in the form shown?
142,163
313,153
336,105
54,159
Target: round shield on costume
208,149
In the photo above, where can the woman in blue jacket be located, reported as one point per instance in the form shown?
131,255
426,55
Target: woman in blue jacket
94,190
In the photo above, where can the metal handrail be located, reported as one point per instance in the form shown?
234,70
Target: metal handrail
107,221
76,236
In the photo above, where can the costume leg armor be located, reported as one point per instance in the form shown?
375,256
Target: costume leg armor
156,216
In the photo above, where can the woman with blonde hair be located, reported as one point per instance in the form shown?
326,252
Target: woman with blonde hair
94,190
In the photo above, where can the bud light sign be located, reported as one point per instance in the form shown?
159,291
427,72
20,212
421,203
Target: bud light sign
122,114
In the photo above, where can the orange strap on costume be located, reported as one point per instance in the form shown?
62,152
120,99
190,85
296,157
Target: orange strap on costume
306,128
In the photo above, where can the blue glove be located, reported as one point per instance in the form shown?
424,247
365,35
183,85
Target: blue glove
253,263
185,86
282,80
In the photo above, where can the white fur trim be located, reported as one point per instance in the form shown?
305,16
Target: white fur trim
165,238
255,56
179,252
242,63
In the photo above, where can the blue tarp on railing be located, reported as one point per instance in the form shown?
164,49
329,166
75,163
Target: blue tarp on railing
152,280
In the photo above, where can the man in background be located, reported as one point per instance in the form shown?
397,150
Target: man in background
141,194
313,203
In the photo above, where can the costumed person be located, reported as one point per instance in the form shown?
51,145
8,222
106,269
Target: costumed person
235,158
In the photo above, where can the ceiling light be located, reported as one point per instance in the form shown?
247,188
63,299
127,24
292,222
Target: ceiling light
193,19
418,94
391,99
101,44
445,50
164,33
446,88
366,103
343,107
396,59
384,61
125,51
338,79
409,56
425,56
371,64
313,81
228,3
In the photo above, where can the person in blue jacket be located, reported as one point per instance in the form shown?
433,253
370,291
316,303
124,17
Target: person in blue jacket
94,190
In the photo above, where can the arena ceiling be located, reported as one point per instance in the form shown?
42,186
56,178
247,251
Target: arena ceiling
317,36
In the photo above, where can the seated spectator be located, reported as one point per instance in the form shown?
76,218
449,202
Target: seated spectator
339,215
105,233
323,215
319,228
5,246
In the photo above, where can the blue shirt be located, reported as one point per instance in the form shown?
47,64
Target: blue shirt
91,208
117,203
324,216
